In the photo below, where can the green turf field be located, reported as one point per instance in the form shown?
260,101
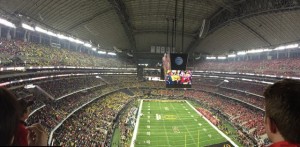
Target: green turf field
174,123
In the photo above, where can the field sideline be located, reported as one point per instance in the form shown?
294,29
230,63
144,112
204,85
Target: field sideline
164,123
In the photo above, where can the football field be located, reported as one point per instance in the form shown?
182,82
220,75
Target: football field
166,123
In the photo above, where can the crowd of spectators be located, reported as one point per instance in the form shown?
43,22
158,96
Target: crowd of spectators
168,92
251,99
209,116
246,86
154,84
281,67
206,81
250,87
249,119
62,107
92,125
245,91
62,86
73,92
239,95
126,126
17,52
136,91
56,87
120,79
74,131
53,112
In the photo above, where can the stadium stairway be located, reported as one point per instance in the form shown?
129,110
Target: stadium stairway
128,92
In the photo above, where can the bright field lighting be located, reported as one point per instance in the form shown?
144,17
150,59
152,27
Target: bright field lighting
232,56
101,52
110,53
27,27
211,58
222,58
7,23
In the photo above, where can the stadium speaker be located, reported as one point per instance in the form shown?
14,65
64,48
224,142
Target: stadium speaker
204,28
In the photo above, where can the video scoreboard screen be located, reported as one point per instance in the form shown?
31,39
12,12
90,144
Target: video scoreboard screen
175,73
179,79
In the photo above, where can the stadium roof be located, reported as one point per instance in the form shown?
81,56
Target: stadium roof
137,25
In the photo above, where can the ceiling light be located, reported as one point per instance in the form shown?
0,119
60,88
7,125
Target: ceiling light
280,48
231,55
7,23
291,46
101,52
60,36
255,51
211,58
111,53
222,57
241,53
27,27
87,45
71,39
41,30
79,41
51,33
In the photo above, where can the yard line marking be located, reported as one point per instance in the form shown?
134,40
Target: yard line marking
136,125
164,126
220,132
190,144
184,125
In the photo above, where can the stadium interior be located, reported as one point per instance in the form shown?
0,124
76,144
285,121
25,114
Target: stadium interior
94,68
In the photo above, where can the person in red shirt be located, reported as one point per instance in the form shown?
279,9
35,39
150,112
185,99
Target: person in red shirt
22,132
282,119
10,122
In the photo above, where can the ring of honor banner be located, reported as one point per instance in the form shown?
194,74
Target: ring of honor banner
176,75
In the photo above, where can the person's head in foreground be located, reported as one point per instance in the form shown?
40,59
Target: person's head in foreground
282,120
10,117
24,109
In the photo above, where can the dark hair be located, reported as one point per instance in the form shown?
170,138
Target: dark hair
9,116
283,108
23,104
